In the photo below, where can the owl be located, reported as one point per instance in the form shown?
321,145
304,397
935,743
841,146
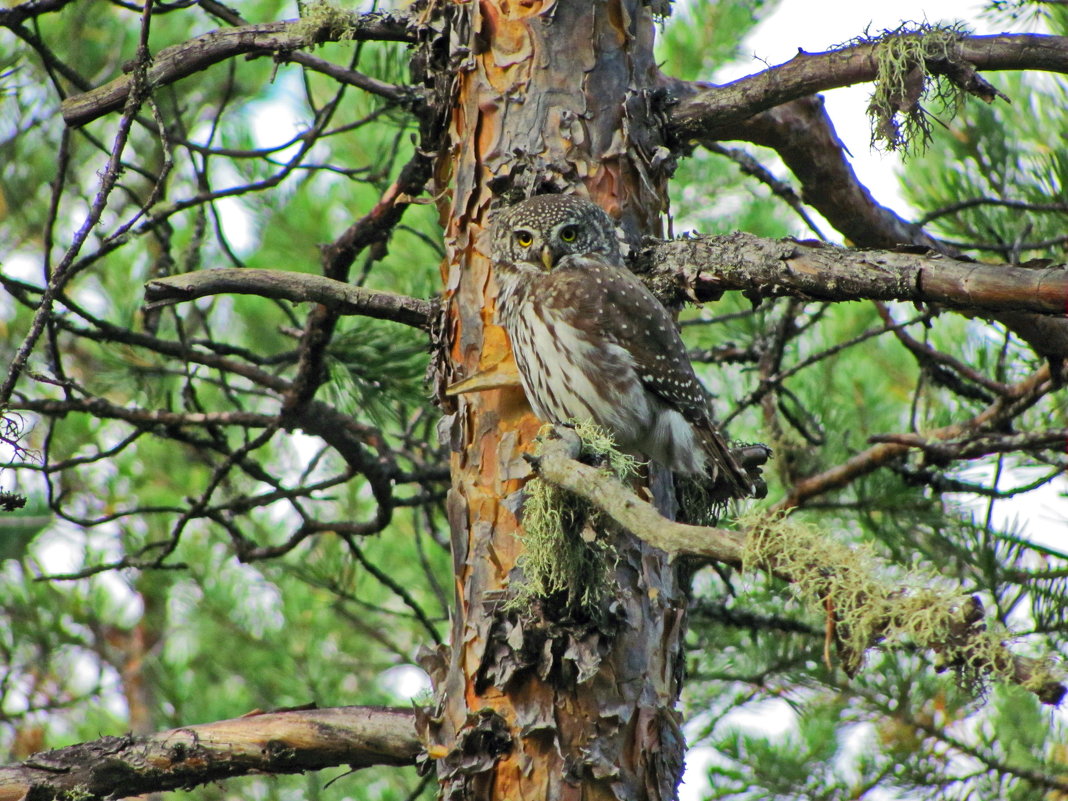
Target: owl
593,343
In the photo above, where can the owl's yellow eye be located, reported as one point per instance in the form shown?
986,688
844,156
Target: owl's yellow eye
568,233
524,238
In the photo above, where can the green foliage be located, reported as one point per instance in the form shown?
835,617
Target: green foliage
335,618
249,568
702,36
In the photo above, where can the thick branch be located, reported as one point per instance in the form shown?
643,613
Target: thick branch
178,61
704,267
708,108
803,135
954,629
339,297
805,139
279,742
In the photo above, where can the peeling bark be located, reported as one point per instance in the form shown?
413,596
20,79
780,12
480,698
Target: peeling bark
549,97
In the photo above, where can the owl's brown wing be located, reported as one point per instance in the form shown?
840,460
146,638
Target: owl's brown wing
611,302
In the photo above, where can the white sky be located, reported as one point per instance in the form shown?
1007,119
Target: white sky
818,25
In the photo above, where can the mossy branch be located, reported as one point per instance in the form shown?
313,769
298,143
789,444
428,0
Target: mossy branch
868,605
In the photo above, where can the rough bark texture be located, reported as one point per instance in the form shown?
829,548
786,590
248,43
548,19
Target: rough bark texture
538,704
278,742
705,267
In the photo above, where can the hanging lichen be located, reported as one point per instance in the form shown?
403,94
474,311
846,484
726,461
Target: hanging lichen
904,78
565,558
869,604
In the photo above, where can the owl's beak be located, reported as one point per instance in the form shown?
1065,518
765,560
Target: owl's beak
546,257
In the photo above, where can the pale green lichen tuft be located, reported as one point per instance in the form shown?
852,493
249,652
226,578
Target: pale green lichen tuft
903,79
564,556
320,19
871,603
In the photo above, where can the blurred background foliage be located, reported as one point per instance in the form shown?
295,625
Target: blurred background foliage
338,617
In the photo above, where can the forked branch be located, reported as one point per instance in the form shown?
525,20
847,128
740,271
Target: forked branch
178,61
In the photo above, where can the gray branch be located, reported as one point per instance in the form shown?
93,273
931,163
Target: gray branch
338,296
293,741
819,567
704,109
178,61
702,268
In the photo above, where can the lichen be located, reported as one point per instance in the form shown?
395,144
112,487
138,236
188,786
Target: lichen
903,79
319,18
871,603
565,557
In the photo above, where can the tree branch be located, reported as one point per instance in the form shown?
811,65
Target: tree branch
180,60
823,571
804,137
702,268
705,109
11,17
1016,398
279,742
340,297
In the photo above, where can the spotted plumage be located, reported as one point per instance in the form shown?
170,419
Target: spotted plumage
593,343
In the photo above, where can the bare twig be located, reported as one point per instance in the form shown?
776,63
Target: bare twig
340,297
959,622
178,61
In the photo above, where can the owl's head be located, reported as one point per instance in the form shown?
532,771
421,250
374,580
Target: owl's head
546,228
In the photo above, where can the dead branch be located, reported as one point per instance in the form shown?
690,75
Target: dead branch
1016,398
954,630
704,267
293,741
16,15
705,109
340,297
180,60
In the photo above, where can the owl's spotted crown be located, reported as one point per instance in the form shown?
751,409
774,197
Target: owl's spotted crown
565,223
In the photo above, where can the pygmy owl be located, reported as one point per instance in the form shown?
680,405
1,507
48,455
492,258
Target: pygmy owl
593,343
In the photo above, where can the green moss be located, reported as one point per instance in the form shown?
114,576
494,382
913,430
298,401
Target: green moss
319,17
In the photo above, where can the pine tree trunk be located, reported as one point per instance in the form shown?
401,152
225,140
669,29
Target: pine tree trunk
548,96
